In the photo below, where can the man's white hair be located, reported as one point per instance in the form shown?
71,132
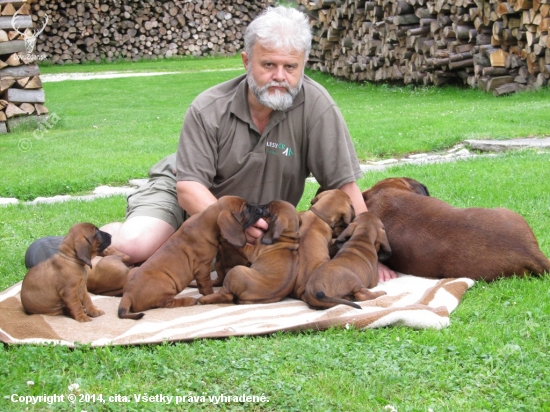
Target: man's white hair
279,28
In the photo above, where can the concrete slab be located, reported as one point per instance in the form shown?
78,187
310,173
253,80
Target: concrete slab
501,145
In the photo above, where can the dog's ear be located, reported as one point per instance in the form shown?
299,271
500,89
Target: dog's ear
345,235
274,231
417,187
231,229
349,215
83,249
382,245
318,195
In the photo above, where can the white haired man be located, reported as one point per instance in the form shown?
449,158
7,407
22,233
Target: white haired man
258,136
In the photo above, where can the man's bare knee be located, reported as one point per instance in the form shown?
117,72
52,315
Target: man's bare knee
140,237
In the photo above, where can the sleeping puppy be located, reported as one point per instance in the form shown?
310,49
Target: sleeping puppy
431,238
354,269
109,273
58,284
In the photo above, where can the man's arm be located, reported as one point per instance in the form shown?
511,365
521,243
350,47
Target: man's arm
352,190
193,197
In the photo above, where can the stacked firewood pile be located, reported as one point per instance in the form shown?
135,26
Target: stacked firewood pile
106,30
495,45
21,92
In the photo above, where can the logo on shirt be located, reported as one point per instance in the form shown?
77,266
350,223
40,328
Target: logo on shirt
279,148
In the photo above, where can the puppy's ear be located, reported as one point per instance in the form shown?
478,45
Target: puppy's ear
274,231
349,215
230,229
345,235
417,187
83,249
382,245
318,195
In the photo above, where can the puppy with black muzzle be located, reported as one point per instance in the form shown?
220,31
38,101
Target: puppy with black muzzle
273,261
58,285
186,256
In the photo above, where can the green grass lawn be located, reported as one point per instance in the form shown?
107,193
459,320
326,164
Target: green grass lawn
495,356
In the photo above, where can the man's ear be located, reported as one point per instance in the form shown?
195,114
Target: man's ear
230,229
245,59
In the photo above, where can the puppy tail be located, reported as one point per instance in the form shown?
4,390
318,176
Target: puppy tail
124,309
321,297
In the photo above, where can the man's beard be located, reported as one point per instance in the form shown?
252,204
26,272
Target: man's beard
275,100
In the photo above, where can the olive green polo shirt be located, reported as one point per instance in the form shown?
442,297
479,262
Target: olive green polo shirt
221,147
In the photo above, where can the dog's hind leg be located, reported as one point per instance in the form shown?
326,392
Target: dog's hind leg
180,302
361,294
217,297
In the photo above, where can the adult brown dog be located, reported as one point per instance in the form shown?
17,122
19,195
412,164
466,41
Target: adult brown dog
354,269
109,273
430,238
272,273
185,256
330,211
58,285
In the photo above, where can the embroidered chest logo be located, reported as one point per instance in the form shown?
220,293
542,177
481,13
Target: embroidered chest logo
279,148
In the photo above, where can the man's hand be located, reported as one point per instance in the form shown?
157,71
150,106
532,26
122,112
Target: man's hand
385,273
256,231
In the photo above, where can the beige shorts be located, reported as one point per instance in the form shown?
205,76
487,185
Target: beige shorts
158,197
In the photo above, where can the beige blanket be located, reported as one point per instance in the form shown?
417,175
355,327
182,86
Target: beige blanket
410,301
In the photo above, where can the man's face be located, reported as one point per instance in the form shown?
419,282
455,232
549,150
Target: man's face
274,76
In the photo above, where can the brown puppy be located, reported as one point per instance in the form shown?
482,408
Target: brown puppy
347,276
430,238
185,256
227,258
330,211
272,273
58,285
109,273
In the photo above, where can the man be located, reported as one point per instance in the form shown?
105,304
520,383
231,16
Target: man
258,136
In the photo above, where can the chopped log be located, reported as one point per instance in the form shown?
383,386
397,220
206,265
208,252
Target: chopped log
8,10
34,83
6,83
3,128
498,58
12,110
22,82
41,109
13,60
22,22
28,108
27,70
25,96
495,82
14,46
507,89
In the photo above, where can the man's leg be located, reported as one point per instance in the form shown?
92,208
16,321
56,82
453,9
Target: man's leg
139,237
152,216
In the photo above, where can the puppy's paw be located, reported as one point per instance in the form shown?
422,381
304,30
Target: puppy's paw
83,318
95,312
